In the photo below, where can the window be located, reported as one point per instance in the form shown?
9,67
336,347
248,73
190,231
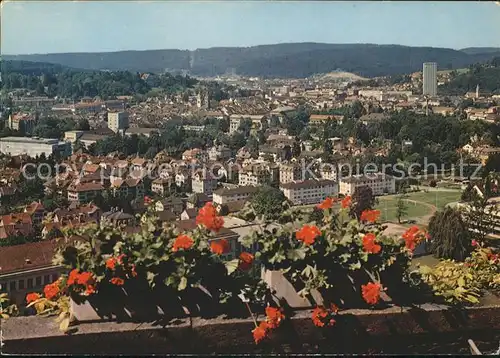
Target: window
3,286
21,284
12,286
55,276
38,281
30,283
46,279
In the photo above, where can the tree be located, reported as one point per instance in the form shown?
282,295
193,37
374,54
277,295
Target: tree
480,218
83,124
268,202
401,207
362,200
450,236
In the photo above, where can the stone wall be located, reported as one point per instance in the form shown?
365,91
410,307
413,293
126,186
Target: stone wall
428,329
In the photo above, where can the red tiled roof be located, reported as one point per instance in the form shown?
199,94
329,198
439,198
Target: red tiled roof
39,254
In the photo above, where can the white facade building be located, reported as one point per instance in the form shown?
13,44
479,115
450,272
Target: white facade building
378,182
430,79
309,191
118,121
223,196
34,146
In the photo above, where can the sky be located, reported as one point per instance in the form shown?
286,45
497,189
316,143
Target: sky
29,27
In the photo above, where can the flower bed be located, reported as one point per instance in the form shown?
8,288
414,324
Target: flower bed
334,265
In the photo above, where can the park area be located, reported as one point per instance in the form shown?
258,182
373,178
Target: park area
420,205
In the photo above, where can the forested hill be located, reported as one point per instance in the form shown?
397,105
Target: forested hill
486,75
57,80
281,60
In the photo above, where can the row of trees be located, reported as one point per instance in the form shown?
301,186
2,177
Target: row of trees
69,83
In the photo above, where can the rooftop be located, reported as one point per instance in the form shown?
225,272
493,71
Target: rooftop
32,140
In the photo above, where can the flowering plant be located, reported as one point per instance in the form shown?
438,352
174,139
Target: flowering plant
169,269
351,261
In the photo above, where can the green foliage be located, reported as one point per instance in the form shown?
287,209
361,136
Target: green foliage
451,238
71,83
18,240
452,281
401,207
268,202
7,310
336,261
290,60
487,76
362,199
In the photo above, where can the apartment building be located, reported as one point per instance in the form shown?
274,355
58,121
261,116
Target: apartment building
161,186
255,175
219,152
84,192
309,191
22,122
236,119
380,183
224,195
27,268
118,121
290,173
34,146
128,188
172,204
203,182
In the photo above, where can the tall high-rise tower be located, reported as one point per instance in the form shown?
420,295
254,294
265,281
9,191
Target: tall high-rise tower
430,79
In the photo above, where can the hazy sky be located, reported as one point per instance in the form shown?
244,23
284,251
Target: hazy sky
56,26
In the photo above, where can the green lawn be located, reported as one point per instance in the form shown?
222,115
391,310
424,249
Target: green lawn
388,208
436,198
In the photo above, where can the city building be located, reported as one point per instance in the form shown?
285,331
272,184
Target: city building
203,182
429,79
290,173
118,121
27,268
161,186
34,146
219,152
254,175
380,183
84,192
309,191
236,119
224,195
172,204
22,122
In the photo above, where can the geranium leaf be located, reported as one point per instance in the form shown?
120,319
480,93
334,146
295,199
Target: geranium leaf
231,266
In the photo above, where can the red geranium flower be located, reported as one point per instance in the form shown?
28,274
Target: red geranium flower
219,247
326,204
73,277
85,278
207,216
308,234
371,292
31,297
346,202
51,290
410,237
274,316
117,281
318,314
260,332
111,263
182,242
369,244
322,316
370,215
246,260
